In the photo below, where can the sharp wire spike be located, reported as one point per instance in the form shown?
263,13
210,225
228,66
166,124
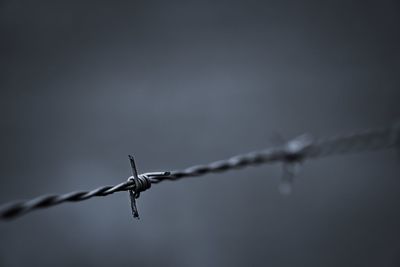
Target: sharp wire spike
134,194
295,151
133,165
289,172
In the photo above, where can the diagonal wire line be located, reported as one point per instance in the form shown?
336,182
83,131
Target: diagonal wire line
298,149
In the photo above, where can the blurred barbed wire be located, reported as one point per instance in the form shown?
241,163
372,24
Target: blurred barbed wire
292,152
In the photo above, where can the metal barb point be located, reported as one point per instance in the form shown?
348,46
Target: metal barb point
289,172
133,165
134,194
141,182
295,152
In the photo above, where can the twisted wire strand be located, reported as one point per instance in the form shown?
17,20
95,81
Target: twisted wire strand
19,208
298,149
362,141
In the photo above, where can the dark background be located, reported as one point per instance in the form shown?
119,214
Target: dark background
181,83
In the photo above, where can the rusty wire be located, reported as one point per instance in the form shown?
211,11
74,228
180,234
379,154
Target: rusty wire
296,150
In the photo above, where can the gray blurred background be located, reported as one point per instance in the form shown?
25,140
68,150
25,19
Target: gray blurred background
181,83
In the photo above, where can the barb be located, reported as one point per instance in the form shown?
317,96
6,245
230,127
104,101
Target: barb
141,183
297,150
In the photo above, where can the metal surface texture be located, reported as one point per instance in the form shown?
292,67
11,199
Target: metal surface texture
297,150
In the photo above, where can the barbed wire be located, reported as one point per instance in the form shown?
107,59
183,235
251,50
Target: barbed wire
294,151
